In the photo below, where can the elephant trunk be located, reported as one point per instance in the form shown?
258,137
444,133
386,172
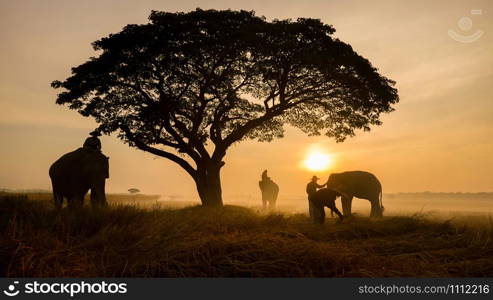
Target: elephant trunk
98,194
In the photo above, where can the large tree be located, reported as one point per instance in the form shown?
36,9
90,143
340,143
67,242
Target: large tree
186,86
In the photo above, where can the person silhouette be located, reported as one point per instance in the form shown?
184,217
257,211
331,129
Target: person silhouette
93,142
264,175
311,189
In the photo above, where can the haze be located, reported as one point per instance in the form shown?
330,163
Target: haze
438,139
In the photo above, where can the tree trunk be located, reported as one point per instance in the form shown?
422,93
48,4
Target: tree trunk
209,184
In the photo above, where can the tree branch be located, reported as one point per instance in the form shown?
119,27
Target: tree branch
276,110
142,146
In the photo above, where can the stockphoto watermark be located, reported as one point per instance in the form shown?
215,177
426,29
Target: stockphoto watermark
66,288
466,33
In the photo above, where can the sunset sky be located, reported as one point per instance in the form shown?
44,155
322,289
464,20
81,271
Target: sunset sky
438,139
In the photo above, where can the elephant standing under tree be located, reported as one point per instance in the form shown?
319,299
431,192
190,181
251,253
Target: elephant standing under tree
79,171
269,190
358,184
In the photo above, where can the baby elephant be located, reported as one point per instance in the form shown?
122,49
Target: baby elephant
324,198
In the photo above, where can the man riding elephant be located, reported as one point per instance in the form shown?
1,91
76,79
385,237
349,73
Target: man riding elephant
269,190
79,171
93,142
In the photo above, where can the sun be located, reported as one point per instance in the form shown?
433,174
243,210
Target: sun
318,161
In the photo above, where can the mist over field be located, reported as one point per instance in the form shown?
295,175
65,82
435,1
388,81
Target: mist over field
443,204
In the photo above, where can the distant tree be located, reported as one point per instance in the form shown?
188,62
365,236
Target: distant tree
187,86
133,191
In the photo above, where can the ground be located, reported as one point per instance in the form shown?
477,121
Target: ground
233,241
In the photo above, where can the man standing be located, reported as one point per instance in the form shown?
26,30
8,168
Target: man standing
311,188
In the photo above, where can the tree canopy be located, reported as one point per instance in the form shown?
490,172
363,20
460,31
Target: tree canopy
187,80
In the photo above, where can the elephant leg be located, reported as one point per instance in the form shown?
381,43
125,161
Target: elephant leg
58,198
376,209
98,199
71,202
80,201
346,205
104,202
333,209
276,194
94,200
273,201
264,203
98,195
76,201
318,213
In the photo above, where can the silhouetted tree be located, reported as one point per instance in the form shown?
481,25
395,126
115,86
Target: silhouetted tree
186,86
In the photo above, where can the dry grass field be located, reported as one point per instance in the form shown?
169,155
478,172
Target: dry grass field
233,241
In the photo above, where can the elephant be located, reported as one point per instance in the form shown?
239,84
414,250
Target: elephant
77,172
269,190
358,184
324,197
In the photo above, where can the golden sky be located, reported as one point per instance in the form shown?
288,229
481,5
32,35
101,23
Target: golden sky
438,139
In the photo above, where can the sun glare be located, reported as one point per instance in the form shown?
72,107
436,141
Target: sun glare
318,161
